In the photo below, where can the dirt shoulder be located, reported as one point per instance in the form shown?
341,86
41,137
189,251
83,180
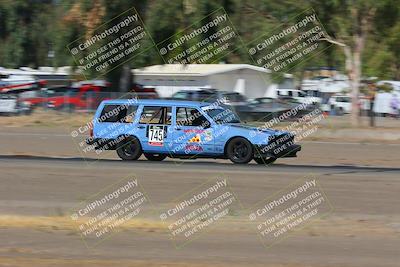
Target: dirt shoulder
334,129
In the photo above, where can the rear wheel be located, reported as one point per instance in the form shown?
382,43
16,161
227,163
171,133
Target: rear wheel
269,160
130,150
155,157
239,150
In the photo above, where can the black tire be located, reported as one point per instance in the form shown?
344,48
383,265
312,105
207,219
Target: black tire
155,157
130,150
267,161
239,150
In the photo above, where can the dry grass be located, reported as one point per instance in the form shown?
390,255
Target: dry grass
66,223
47,118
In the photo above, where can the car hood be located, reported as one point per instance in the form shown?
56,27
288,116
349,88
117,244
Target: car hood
255,128
256,135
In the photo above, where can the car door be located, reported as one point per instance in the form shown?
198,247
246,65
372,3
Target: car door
114,121
154,128
192,132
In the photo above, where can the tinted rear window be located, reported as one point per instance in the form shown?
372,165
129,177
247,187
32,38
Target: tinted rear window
118,113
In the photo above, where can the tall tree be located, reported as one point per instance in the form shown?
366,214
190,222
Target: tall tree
353,21
25,32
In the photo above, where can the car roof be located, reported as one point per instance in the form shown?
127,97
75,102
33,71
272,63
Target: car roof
287,89
157,102
340,96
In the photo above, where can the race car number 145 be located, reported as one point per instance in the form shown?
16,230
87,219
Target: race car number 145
156,135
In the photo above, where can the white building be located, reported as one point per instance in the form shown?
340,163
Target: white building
249,80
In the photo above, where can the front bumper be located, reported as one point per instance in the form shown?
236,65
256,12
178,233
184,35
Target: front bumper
281,146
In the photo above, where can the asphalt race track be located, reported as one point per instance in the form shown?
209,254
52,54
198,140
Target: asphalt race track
363,228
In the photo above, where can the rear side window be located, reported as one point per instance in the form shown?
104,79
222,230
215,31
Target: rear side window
118,113
156,115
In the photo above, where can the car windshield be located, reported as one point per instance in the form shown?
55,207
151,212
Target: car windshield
235,97
343,99
180,95
222,116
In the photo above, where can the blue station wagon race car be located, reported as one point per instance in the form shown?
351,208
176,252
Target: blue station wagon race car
186,130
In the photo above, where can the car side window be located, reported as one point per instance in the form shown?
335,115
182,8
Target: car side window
130,113
190,117
156,115
118,113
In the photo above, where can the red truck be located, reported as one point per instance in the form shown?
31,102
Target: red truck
81,96
85,96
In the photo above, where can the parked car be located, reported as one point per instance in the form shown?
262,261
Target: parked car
10,104
299,95
184,129
144,92
340,104
305,107
84,95
267,107
234,100
196,95
39,98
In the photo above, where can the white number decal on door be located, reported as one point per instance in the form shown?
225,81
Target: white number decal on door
156,135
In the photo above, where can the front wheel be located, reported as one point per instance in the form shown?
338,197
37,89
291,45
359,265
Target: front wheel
269,160
239,150
130,150
155,157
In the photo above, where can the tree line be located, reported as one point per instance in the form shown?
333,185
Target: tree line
365,33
